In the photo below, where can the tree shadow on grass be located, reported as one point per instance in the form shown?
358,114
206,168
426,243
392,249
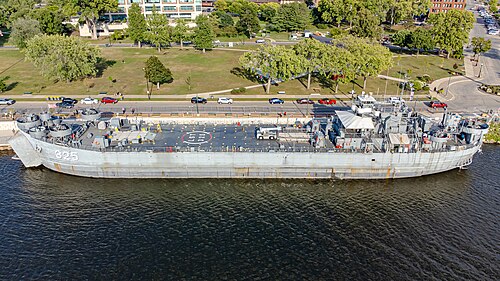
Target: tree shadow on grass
11,86
240,72
326,82
102,64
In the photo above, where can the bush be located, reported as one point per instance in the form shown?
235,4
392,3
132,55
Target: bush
417,85
425,78
237,91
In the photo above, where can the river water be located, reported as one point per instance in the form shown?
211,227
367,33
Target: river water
440,227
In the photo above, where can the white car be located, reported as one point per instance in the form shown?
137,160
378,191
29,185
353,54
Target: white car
89,100
225,101
493,32
4,101
396,100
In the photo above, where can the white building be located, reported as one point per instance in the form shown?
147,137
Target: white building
172,9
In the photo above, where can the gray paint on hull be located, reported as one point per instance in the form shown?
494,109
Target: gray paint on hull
247,164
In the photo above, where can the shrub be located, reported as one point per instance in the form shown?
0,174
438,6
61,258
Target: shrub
237,91
425,78
417,85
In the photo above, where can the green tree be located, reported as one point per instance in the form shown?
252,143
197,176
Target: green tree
50,20
158,32
339,62
204,33
480,45
273,63
401,38
62,58
248,23
239,6
291,17
16,9
221,5
421,39
421,7
399,10
336,11
369,59
225,19
313,52
180,32
137,25
22,30
91,10
367,24
493,6
451,30
268,10
156,73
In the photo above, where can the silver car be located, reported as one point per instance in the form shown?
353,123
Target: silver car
4,101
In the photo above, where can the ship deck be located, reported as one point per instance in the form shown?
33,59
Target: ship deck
207,137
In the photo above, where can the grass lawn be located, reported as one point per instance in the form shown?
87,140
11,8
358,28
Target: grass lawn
211,71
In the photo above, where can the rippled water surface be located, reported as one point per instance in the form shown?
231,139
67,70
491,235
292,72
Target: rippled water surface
441,227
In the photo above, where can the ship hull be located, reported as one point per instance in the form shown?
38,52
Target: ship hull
200,164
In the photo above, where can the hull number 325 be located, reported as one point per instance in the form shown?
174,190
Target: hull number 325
65,155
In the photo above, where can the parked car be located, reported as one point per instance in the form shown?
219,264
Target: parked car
198,100
225,101
64,104
396,100
304,101
276,101
438,104
4,101
89,100
108,100
493,32
69,100
327,101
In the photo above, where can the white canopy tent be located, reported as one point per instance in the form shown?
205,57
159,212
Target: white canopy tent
353,122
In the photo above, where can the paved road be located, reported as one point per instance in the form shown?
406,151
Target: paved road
463,92
240,108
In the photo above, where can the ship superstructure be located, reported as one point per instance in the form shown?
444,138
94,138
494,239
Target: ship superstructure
367,141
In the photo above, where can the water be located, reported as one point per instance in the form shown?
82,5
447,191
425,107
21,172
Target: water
441,227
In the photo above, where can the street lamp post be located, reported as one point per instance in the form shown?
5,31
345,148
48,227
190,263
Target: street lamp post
447,87
480,69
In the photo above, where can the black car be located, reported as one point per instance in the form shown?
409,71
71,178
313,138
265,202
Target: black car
198,100
64,105
69,100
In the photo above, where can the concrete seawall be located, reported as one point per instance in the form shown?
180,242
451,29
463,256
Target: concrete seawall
7,130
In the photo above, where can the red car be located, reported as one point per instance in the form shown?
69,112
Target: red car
305,101
108,100
327,101
438,104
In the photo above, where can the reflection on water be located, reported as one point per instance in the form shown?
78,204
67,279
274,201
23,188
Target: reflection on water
444,227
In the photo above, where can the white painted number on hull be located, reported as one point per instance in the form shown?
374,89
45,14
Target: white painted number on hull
68,156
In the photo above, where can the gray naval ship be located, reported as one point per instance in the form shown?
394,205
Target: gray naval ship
368,141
